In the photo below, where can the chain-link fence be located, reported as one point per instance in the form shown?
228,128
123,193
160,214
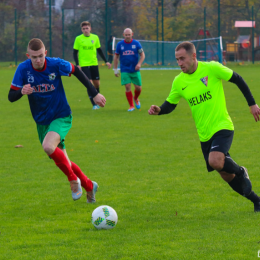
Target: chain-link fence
57,23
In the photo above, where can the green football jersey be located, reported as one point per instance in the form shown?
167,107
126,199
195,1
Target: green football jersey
204,92
87,47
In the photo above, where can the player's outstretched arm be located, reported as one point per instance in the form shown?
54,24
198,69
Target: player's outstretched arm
239,81
100,100
165,108
255,111
154,110
85,81
15,95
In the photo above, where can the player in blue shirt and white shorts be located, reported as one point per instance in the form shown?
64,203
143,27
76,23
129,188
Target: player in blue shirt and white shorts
39,78
128,50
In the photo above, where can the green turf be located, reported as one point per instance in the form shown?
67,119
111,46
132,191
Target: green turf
150,170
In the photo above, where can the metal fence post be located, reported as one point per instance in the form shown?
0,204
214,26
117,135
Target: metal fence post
162,36
15,36
253,37
205,34
63,40
157,34
50,28
219,18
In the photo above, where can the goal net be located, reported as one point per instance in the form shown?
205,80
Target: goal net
161,54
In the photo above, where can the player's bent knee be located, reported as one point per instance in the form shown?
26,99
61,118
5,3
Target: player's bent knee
216,164
49,149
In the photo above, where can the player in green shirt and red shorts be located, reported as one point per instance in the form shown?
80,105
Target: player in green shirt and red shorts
85,51
200,84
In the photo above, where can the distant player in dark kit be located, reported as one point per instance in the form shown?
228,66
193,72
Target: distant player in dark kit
129,51
39,78
200,84
85,51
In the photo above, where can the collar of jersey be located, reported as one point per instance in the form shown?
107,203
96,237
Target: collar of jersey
128,42
44,68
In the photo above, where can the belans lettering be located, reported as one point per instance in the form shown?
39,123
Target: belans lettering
200,99
87,47
43,88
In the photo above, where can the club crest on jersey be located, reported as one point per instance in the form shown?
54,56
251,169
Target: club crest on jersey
52,76
133,46
205,81
92,41
122,47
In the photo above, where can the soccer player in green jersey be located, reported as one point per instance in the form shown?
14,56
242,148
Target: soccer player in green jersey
85,51
200,84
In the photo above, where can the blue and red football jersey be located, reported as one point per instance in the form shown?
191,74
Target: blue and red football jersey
48,100
129,55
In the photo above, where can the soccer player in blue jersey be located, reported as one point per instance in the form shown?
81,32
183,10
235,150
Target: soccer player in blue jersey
128,51
39,78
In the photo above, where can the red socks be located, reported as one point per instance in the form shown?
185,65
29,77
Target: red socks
86,183
137,93
72,171
62,162
129,96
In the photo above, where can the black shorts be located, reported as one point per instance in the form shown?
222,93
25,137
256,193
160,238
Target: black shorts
219,142
91,72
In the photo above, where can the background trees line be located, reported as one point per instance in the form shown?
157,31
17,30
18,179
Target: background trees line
181,18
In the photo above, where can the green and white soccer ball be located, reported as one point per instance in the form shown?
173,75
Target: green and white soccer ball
104,217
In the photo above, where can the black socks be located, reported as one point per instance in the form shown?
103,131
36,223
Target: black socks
235,184
231,167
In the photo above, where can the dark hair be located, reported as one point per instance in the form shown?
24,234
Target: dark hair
188,46
35,44
85,23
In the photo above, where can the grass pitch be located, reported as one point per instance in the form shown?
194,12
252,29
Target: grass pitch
150,170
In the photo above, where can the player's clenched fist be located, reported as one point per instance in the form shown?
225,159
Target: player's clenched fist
27,89
100,100
154,110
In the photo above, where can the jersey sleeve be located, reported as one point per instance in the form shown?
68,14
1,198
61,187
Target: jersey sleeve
76,44
65,67
174,96
220,71
17,82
